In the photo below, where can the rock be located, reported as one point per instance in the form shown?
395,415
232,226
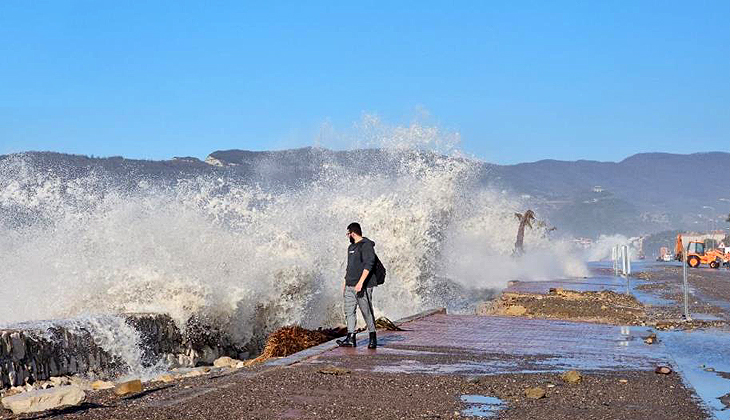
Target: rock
209,354
80,382
45,399
18,346
650,339
129,387
515,310
725,400
535,393
473,379
14,391
193,373
97,385
185,360
225,362
333,370
240,365
59,380
571,377
165,378
663,370
550,385
624,381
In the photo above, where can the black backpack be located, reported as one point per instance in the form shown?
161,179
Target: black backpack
379,271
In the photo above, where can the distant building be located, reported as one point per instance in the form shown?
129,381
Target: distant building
583,242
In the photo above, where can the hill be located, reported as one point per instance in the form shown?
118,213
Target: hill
644,193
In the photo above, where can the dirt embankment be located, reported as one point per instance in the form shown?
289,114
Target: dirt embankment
609,307
603,307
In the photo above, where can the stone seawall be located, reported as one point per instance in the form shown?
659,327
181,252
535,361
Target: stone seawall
29,354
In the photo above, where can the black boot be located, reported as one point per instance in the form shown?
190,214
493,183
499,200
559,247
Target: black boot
373,341
348,341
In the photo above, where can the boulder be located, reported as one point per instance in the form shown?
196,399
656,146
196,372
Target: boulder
535,393
44,399
571,377
129,387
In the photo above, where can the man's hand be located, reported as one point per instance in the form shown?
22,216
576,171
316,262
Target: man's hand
358,286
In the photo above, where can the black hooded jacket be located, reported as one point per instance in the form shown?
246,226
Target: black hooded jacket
360,256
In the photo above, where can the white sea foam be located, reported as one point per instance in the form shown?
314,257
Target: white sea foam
220,248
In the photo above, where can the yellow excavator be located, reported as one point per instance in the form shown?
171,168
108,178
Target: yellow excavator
697,255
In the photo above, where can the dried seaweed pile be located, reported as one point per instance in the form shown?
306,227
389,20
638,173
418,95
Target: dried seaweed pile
291,339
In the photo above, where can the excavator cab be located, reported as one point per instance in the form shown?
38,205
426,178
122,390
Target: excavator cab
696,248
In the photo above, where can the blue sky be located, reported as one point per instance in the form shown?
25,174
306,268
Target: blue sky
519,82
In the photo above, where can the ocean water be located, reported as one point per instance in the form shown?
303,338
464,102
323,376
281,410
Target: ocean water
226,250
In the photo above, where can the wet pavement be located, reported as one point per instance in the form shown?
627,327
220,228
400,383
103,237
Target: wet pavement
479,345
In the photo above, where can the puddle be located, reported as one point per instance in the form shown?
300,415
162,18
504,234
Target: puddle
703,357
706,317
481,406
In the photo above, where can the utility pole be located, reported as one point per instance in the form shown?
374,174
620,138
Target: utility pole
686,287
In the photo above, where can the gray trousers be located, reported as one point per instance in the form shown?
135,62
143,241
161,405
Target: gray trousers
364,300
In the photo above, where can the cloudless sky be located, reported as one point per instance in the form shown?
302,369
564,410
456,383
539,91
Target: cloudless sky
520,81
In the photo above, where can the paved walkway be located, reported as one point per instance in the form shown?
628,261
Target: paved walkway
469,345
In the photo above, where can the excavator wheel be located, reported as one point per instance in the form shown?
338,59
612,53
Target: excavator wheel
714,264
693,261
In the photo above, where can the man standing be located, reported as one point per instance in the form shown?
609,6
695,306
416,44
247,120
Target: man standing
358,287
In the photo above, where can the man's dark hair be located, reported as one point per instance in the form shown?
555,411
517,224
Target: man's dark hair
354,227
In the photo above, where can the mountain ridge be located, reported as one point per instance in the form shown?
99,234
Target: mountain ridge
649,191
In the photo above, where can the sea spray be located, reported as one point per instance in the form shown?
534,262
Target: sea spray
249,258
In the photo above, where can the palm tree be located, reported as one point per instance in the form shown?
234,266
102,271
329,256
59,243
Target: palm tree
525,220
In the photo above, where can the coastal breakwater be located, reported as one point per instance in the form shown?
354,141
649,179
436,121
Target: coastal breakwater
37,352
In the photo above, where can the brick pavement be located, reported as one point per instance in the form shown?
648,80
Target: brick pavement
466,344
